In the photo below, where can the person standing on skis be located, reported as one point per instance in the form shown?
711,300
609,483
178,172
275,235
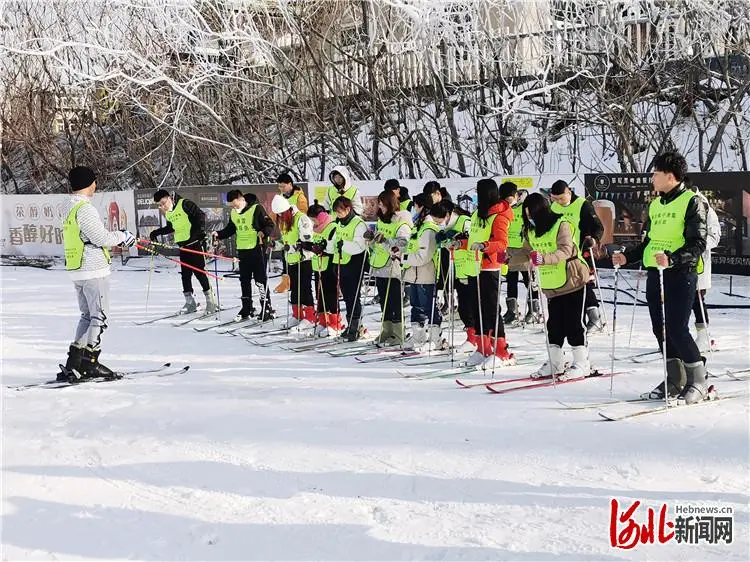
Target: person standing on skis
188,224
252,226
324,230
342,187
296,227
421,266
551,243
349,258
518,261
454,224
392,232
87,261
589,230
296,198
674,242
488,242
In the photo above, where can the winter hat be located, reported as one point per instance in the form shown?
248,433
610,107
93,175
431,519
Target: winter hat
81,177
279,204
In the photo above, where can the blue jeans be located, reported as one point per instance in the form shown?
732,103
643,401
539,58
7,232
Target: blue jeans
422,299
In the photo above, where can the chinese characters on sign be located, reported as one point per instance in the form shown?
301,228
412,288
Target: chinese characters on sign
630,527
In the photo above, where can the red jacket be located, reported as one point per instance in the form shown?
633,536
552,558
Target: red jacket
498,237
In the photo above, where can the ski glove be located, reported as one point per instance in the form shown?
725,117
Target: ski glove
153,236
477,247
589,242
129,239
454,244
502,256
368,235
378,237
536,258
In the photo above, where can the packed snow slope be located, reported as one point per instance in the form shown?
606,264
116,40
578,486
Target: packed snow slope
260,453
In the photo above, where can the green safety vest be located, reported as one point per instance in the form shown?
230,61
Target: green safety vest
477,233
380,256
666,229
404,205
463,260
333,194
72,240
320,263
413,245
294,197
345,233
247,236
180,222
551,276
515,240
571,213
291,238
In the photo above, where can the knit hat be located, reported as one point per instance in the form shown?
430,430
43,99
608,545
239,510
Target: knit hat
81,177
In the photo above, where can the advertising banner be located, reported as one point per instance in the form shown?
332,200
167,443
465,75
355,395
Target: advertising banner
622,201
32,224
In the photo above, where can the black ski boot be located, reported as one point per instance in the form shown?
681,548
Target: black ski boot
91,368
247,310
72,364
511,315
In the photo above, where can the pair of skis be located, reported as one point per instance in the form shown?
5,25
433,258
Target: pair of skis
165,370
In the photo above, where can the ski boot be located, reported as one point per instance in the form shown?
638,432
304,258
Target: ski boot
511,315
696,388
72,364
190,305
556,367
247,310
91,368
676,381
594,322
211,306
581,366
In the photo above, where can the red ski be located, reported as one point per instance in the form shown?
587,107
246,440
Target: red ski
546,383
463,384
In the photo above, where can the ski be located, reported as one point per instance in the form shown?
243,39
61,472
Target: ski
613,402
349,349
546,384
165,317
235,323
161,371
465,370
435,359
638,355
276,339
380,354
613,416
263,334
201,317
464,384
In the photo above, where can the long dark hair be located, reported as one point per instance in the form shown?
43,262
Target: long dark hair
487,196
390,202
541,212
424,201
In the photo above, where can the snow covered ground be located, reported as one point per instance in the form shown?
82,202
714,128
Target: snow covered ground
262,454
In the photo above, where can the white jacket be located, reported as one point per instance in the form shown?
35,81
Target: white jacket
421,269
713,236
95,237
356,200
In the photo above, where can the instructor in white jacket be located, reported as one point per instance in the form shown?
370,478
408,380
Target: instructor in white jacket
713,236
87,259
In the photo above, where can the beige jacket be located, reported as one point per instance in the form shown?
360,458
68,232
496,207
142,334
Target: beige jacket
567,250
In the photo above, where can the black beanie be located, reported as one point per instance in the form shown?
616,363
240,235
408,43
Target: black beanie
81,177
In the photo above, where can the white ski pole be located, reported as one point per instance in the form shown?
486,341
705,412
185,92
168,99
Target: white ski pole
635,302
614,331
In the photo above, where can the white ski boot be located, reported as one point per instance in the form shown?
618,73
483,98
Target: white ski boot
557,367
581,366
190,305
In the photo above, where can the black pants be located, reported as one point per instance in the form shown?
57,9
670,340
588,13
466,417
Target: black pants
389,293
512,280
566,319
679,294
253,266
350,284
488,306
591,300
465,303
197,261
698,310
300,289
326,290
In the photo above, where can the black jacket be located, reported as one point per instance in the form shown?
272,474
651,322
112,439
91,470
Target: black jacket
197,223
262,223
695,234
589,223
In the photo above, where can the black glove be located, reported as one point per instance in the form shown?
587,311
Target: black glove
368,235
308,246
589,242
443,235
153,236
286,247
340,245
319,247
461,236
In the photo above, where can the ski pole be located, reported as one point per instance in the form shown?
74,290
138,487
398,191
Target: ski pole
614,331
264,303
479,305
385,304
148,286
189,250
216,274
497,318
635,302
535,283
357,301
599,289
451,301
199,270
663,335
